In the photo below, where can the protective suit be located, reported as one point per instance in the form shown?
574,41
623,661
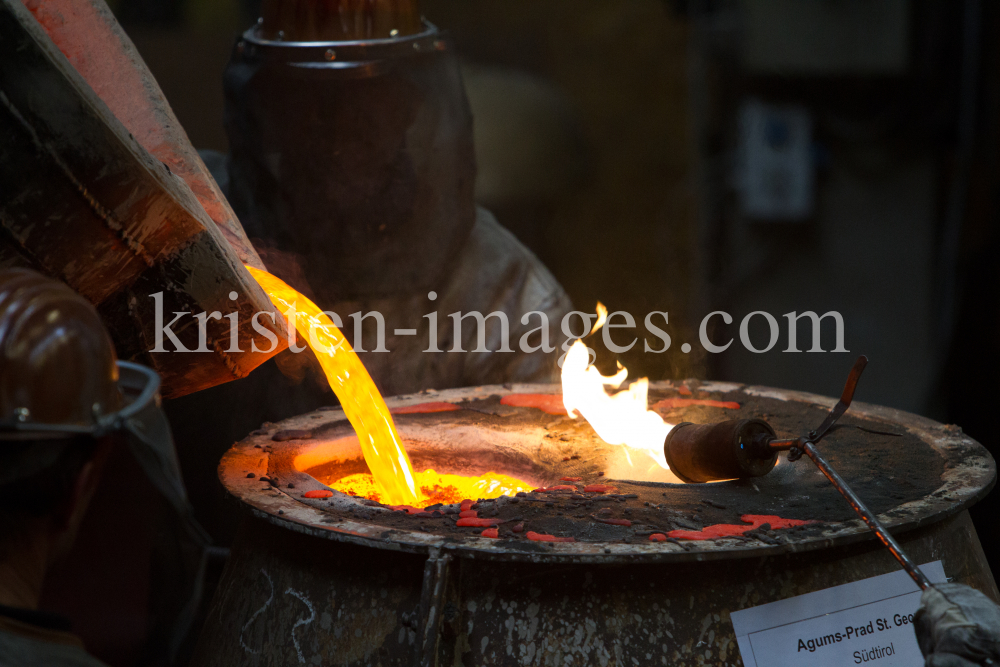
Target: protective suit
60,389
351,167
493,273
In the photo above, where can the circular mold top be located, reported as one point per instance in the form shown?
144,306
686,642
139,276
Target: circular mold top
911,471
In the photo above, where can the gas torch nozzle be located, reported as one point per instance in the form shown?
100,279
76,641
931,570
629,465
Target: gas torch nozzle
741,448
732,449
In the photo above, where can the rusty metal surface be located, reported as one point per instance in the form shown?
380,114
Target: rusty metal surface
84,201
969,473
288,598
94,42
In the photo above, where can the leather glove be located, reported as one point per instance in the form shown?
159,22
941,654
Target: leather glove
957,626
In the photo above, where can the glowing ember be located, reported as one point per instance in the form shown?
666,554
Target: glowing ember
619,419
543,537
383,450
728,530
669,403
475,522
434,488
550,403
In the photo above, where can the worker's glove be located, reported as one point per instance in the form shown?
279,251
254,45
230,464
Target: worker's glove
957,626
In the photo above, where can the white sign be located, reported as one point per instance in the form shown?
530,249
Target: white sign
868,621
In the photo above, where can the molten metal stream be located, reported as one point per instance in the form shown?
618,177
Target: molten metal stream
392,480
360,399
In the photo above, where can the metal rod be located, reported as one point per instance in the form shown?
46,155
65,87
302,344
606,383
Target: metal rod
780,445
807,445
866,515
845,399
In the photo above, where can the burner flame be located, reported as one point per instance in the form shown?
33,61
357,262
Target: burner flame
602,317
619,419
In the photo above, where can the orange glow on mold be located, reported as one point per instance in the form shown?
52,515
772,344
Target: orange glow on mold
391,479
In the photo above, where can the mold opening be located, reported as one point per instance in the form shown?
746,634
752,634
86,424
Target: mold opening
443,474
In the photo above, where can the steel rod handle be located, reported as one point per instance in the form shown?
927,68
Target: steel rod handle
866,515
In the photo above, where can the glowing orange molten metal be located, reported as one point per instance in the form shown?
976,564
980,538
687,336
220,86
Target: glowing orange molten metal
435,487
362,403
392,480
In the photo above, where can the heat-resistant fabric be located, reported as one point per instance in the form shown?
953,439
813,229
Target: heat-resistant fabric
151,443
957,626
492,273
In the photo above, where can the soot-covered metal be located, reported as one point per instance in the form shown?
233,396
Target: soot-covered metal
439,600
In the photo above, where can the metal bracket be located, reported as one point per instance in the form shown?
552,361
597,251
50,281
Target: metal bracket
436,571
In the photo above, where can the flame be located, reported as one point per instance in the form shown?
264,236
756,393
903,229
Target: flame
602,317
619,419
362,403
391,480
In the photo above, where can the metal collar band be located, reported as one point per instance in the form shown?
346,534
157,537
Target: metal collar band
342,55
140,388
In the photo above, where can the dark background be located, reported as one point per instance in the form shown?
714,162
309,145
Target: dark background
608,140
